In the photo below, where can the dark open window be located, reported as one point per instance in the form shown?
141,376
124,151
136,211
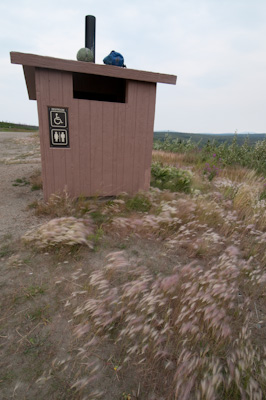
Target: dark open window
101,88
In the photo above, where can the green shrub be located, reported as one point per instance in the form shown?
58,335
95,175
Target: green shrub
21,182
175,145
263,193
247,155
138,203
171,178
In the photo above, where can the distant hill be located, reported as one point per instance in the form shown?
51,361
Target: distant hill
203,138
9,126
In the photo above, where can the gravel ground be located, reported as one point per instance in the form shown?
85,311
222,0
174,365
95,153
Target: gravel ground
19,159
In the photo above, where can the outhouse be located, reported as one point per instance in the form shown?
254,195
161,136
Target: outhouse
95,124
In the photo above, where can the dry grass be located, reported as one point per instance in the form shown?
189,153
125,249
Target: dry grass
187,333
175,159
176,308
36,180
65,231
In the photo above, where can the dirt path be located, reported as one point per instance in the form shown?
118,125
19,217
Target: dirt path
19,159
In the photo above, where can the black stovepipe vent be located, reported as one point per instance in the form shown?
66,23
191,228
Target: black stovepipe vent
90,22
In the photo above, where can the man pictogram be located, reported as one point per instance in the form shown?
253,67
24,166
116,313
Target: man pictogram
56,137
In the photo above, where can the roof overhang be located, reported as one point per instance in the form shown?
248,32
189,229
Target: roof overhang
32,61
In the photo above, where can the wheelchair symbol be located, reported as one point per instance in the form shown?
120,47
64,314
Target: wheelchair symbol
57,120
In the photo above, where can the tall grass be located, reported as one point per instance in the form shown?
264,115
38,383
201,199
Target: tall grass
187,333
191,330
250,156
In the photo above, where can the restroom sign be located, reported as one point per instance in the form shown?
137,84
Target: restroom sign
58,126
59,137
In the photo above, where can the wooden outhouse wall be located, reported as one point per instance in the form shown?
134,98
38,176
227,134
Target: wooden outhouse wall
110,143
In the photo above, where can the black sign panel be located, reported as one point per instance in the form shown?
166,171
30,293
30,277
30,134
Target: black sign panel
58,125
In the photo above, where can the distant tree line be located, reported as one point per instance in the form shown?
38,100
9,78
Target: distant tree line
17,127
202,139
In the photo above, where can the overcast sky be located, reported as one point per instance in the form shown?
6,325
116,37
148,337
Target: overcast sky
217,49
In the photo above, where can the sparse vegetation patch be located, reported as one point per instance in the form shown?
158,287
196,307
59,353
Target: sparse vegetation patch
160,295
171,178
66,231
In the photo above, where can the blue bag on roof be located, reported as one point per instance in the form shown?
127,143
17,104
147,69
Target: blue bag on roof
114,58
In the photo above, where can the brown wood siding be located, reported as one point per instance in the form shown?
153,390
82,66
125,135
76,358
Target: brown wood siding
57,171
141,131
108,140
119,148
43,97
70,162
96,133
56,81
129,141
29,73
110,143
149,136
84,111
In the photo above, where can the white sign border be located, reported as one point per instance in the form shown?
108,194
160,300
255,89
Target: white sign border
60,143
58,126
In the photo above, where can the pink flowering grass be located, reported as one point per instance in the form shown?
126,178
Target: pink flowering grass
187,333
65,231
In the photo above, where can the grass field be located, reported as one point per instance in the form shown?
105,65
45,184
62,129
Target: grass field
160,295
11,127
201,139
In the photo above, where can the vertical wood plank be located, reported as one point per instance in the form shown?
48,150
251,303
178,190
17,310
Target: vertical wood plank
75,145
43,99
84,147
128,151
58,154
115,148
121,149
67,89
96,150
149,135
107,147
41,129
118,152
142,107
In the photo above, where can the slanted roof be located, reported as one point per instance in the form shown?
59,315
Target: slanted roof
32,61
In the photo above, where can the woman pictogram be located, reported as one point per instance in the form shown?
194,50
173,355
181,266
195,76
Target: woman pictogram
63,136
